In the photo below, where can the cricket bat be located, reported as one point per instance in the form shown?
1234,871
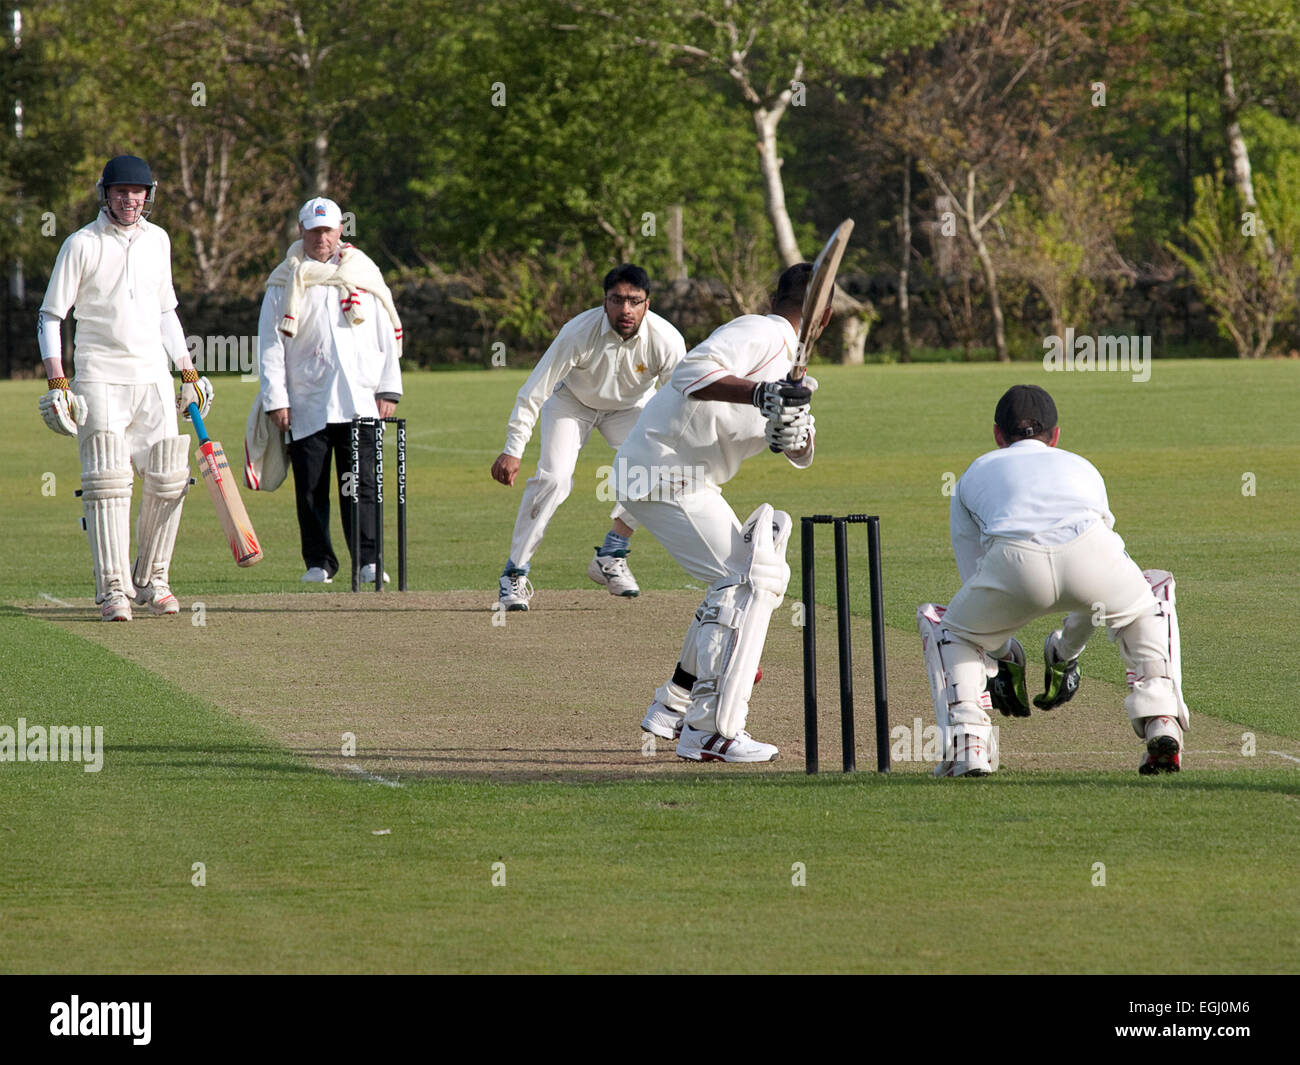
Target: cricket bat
821,289
225,495
817,300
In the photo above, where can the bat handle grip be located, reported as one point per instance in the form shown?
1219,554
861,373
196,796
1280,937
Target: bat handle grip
193,411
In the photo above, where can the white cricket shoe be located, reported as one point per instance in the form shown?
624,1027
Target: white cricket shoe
159,599
117,607
663,721
368,574
612,572
1164,747
514,592
700,746
971,758
317,575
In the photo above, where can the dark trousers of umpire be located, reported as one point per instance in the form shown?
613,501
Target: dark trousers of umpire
310,458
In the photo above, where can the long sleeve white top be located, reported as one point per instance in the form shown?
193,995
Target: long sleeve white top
598,368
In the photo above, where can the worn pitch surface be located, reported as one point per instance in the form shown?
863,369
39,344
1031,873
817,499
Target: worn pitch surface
440,684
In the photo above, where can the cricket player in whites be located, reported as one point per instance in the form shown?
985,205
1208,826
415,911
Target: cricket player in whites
116,276
1032,533
598,373
727,401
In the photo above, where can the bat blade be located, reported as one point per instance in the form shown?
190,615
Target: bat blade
225,496
821,289
230,508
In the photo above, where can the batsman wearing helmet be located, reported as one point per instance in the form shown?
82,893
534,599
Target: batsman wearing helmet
728,400
1033,533
115,276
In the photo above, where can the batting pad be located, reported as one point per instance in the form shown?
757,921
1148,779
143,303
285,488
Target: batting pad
958,673
734,622
166,480
106,503
1152,652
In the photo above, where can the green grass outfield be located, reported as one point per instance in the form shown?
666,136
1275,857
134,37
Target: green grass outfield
96,868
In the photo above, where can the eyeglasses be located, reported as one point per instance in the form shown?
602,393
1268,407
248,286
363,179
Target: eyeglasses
626,301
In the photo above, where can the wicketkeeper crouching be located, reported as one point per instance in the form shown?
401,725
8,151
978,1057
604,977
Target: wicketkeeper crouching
1032,533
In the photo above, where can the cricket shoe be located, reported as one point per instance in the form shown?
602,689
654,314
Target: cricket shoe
697,745
1164,747
612,572
1007,690
1061,679
117,607
158,598
663,721
970,758
317,575
514,592
368,574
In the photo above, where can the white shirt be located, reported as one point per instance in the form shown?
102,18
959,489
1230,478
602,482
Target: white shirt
120,283
1027,491
331,370
681,444
598,368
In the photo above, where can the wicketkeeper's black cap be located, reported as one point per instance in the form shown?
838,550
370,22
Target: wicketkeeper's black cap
1025,411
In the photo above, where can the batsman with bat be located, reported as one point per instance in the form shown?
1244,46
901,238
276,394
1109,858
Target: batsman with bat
117,275
731,398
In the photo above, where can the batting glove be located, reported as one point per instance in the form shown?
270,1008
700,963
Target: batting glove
773,397
62,409
194,389
791,431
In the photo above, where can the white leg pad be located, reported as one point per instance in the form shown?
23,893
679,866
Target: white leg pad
734,623
166,480
106,505
1152,654
959,674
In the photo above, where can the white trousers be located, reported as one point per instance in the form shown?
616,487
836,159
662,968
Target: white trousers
1016,582
143,414
565,426
700,531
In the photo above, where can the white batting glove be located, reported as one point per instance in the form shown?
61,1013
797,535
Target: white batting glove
773,397
62,409
790,431
197,391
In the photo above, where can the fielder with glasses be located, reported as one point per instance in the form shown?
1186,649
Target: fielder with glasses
600,370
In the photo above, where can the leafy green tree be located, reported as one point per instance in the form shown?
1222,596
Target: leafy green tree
1061,238
1251,285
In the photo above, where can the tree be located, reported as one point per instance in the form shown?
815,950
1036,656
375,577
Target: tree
770,52
987,106
1061,237
1247,49
1251,285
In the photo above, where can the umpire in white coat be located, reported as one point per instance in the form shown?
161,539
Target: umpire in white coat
329,341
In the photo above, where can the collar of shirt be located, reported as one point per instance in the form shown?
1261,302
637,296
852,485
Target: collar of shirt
106,225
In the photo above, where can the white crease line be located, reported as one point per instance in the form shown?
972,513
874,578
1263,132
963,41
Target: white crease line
1288,757
56,602
374,778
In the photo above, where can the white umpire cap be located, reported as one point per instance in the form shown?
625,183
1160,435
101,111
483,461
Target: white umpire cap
320,212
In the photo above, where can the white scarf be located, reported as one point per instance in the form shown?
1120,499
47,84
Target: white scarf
355,273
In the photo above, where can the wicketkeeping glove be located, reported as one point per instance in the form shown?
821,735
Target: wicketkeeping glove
791,430
61,409
194,389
